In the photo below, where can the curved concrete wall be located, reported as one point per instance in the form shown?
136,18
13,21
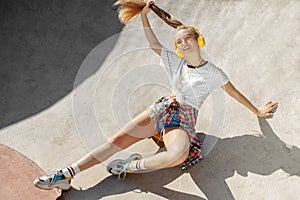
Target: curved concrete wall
257,43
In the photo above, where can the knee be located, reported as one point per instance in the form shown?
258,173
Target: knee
123,140
178,157
118,142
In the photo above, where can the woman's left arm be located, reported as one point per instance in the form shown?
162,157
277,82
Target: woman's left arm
264,111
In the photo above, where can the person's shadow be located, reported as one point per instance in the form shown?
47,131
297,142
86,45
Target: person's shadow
262,154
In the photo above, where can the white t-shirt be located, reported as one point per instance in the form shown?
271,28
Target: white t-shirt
191,85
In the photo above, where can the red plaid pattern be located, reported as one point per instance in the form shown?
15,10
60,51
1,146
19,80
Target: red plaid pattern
163,111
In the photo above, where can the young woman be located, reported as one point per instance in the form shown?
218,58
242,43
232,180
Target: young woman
170,120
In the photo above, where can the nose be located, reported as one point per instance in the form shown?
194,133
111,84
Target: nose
184,41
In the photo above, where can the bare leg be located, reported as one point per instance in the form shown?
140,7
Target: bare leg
177,149
139,128
176,142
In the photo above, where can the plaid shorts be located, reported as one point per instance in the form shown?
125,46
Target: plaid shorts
168,112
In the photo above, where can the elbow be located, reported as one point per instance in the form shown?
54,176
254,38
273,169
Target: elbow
235,94
231,90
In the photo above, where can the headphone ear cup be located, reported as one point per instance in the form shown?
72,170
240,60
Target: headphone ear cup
201,41
179,54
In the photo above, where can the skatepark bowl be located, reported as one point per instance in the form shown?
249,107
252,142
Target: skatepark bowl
71,75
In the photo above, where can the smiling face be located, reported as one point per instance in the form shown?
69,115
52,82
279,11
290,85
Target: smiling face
186,41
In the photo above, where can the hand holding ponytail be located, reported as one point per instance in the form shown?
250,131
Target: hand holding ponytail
129,9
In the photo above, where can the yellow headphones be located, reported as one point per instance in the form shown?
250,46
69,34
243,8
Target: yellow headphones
200,41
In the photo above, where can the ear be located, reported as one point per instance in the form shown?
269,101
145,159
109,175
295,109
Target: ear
200,39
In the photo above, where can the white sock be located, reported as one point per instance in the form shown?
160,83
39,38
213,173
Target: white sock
71,171
136,165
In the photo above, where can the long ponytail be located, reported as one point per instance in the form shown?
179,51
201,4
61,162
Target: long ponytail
129,9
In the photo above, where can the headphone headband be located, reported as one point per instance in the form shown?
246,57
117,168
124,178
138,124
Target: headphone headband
200,41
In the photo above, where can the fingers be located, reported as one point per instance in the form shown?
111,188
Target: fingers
150,2
268,109
275,105
272,109
269,114
271,104
147,7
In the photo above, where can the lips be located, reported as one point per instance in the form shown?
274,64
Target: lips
186,47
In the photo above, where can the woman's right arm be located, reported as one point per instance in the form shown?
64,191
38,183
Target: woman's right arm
150,36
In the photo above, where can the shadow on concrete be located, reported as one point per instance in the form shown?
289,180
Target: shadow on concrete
43,44
262,154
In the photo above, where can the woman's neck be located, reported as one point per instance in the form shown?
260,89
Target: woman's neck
195,61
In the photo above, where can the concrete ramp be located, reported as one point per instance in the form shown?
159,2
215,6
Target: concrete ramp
62,100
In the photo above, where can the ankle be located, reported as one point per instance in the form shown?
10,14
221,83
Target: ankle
135,165
71,171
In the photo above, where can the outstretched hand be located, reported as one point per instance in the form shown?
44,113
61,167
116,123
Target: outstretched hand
147,8
267,110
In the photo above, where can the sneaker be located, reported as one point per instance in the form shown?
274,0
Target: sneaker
54,180
119,167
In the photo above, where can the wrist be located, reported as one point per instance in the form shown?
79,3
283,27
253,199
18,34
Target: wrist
144,14
256,112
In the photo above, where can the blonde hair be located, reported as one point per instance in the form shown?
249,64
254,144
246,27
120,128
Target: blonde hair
129,9
187,28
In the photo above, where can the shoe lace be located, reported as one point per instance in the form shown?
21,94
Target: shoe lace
122,173
52,177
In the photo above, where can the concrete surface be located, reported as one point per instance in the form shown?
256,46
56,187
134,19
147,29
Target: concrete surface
49,46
